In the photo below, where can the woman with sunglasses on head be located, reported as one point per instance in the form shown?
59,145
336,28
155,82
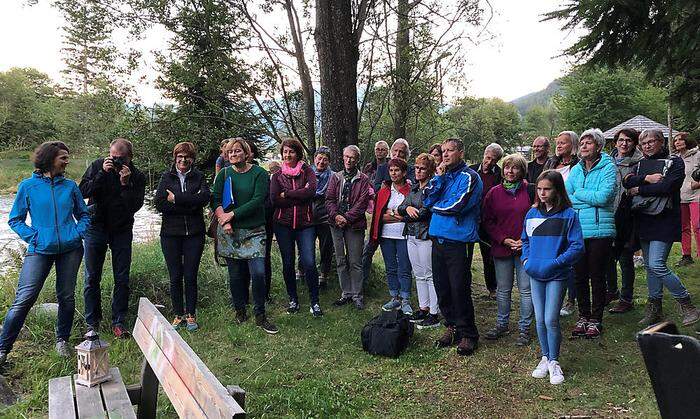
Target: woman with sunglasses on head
181,195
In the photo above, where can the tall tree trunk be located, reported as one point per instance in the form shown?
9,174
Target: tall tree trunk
307,88
338,54
403,70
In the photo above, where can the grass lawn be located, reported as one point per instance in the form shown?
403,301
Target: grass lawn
316,367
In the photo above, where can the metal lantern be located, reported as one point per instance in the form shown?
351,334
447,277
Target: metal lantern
93,361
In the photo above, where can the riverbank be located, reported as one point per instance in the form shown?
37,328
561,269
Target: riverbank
316,367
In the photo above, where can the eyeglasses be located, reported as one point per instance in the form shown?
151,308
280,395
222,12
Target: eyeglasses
648,143
183,157
421,168
624,140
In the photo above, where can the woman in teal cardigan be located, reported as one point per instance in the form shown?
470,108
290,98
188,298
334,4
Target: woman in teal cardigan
593,189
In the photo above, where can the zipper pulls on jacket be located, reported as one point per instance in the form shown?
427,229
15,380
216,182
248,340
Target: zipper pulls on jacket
55,215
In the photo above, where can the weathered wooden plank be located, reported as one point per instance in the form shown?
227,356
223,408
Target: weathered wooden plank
116,399
61,398
181,398
205,388
89,402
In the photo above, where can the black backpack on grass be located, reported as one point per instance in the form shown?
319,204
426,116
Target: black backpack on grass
387,334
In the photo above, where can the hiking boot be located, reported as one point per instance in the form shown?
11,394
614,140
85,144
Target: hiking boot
418,316
3,358
689,313
653,313
447,338
359,304
523,338
262,322
556,376
191,323
580,328
685,261
393,304
467,346
63,349
568,308
542,369
315,310
610,297
497,332
241,315
406,307
430,322
120,332
178,322
342,301
293,307
594,330
622,306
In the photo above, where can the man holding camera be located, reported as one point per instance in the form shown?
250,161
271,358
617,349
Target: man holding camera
115,189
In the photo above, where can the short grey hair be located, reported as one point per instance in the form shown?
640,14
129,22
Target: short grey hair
652,132
352,147
596,134
381,142
496,148
574,140
404,142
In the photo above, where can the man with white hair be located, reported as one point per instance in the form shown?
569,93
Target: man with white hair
490,174
399,150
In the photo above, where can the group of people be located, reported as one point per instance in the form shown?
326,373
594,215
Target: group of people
554,227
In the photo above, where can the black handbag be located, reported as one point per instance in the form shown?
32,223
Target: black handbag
387,334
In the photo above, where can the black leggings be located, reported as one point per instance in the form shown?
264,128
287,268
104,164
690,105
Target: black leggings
182,256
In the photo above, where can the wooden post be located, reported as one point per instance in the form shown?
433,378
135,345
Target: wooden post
149,392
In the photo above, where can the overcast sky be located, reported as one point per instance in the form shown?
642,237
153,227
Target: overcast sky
521,59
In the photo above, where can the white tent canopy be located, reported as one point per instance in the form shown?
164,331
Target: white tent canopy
640,123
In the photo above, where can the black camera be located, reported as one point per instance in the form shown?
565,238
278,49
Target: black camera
118,163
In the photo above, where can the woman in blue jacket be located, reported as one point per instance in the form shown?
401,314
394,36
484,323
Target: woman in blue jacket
59,221
592,186
552,244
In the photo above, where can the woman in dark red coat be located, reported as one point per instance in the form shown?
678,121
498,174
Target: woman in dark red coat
292,191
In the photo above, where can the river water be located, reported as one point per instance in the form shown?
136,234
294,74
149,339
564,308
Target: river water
146,228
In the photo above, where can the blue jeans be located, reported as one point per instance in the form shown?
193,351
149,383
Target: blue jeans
398,267
655,256
305,240
35,269
96,243
505,269
239,272
546,300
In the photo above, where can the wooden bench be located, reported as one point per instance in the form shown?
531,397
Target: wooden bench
191,388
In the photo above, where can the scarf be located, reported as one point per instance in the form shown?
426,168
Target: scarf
292,171
347,188
322,179
511,187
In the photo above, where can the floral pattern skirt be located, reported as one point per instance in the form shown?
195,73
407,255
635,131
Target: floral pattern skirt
242,243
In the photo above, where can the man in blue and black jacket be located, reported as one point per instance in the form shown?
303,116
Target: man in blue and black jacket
454,198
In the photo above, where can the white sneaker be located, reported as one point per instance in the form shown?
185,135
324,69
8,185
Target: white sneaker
542,368
556,376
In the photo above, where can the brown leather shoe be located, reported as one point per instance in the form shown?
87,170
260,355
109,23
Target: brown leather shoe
622,306
467,346
447,338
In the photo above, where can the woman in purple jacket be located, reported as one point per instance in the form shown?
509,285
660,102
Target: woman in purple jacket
292,191
503,213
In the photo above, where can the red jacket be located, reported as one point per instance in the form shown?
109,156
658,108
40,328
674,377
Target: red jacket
381,202
294,210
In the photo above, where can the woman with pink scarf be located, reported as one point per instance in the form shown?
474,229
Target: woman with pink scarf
292,191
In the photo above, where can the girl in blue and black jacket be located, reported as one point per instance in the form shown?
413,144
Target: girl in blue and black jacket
55,237
552,244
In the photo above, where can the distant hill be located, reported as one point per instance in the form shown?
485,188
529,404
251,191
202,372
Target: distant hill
542,97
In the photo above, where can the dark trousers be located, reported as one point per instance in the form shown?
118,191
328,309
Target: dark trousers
452,278
240,273
182,256
590,278
325,249
96,243
626,260
489,267
367,255
269,232
305,242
